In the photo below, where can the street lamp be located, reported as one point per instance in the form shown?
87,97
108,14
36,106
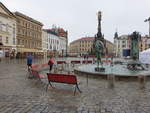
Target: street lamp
148,20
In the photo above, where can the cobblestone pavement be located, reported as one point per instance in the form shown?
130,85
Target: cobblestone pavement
21,95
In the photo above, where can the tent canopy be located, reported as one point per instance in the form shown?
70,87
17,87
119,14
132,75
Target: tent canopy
144,56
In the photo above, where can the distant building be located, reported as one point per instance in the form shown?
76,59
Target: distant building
122,44
84,46
56,43
44,43
63,35
7,31
29,36
81,46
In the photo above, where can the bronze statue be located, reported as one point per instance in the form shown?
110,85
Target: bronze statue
99,45
135,45
99,48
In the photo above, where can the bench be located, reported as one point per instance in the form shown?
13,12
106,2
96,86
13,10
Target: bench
36,74
45,66
73,62
87,62
107,61
61,62
62,78
35,66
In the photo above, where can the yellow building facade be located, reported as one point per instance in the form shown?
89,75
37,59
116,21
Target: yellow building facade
7,31
84,46
29,36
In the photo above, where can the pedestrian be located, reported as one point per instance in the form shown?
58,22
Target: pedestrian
29,61
50,63
87,56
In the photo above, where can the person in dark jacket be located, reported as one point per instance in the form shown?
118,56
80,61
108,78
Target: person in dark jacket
29,61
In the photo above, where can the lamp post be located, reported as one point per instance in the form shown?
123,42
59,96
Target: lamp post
148,20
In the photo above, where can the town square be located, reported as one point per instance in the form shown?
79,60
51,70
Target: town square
76,65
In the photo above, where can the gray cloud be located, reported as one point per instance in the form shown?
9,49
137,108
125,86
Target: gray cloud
79,16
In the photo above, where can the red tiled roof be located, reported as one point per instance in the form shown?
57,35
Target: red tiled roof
84,39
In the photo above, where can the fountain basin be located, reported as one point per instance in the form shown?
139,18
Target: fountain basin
119,71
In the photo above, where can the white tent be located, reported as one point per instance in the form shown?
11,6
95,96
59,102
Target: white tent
144,56
1,53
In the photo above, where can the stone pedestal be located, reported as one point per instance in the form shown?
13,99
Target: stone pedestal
111,81
142,81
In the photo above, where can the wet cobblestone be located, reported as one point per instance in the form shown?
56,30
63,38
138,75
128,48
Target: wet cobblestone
21,95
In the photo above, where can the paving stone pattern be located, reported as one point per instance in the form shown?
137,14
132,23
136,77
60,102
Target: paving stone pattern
18,94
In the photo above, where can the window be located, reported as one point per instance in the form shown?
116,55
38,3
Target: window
123,46
6,27
18,21
13,41
13,30
18,41
6,40
19,31
22,42
26,43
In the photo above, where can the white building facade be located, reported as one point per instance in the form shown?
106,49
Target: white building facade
121,43
7,31
53,43
62,46
44,43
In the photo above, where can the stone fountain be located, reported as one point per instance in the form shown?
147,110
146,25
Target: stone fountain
127,69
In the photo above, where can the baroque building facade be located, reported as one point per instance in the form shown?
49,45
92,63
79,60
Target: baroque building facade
44,43
122,44
7,31
56,43
29,36
84,46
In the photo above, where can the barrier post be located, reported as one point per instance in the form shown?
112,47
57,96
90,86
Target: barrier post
142,81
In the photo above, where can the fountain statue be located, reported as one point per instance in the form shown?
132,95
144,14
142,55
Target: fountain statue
134,64
135,36
131,68
99,45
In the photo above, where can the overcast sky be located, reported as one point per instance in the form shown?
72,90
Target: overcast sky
79,16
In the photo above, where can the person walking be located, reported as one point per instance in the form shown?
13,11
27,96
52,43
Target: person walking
50,63
29,61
